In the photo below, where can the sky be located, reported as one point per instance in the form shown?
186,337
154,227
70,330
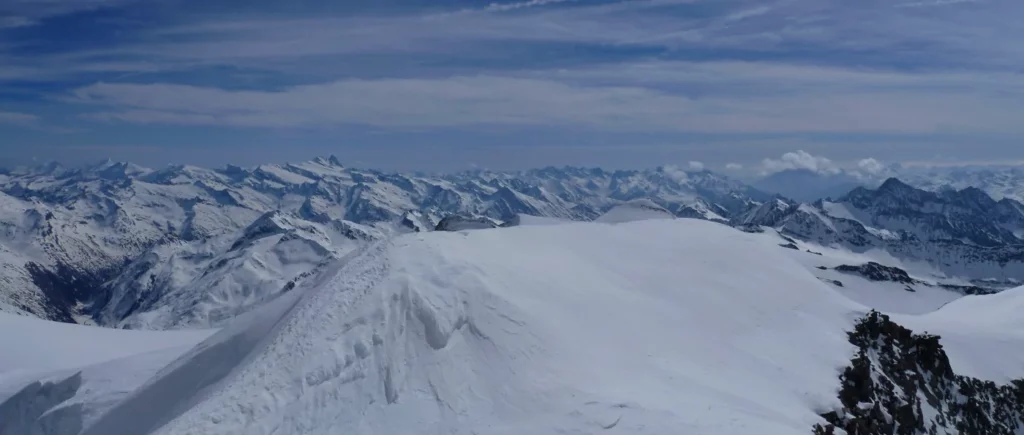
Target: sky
732,85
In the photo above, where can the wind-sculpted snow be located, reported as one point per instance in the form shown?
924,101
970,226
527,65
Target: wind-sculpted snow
658,326
56,378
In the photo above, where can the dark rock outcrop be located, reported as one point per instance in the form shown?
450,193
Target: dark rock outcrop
902,383
460,223
877,272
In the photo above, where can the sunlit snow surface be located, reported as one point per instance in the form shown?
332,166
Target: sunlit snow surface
645,327
112,362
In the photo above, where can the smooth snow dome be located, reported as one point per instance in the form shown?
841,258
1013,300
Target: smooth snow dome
982,335
640,209
652,327
528,220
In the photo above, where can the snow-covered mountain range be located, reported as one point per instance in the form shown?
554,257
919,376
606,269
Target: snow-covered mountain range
638,327
961,233
187,247
183,246
806,185
999,181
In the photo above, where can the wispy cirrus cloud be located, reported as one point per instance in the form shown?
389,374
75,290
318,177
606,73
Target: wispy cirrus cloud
22,13
883,70
745,98
501,7
17,118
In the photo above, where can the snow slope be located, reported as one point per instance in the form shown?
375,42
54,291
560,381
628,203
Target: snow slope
67,375
983,335
924,296
48,346
658,326
640,209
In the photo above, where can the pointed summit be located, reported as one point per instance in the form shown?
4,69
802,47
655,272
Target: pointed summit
893,184
334,161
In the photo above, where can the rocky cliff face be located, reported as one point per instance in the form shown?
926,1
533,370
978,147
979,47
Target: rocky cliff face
902,383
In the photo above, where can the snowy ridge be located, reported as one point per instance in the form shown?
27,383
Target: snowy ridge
558,331
998,182
653,326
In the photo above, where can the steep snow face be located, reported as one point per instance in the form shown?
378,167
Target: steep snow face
657,326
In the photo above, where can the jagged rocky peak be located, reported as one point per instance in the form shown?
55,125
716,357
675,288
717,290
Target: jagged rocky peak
235,171
894,185
768,213
892,194
270,223
330,161
900,382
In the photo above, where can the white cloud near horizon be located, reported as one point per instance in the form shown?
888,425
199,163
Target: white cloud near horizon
800,160
870,166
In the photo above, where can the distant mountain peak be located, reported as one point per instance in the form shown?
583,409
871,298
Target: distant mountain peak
330,160
893,184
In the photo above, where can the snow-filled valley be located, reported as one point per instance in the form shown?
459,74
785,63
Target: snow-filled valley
657,326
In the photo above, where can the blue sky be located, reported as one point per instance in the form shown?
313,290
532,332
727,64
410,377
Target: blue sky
449,84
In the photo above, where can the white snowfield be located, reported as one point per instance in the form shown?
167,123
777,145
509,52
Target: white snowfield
652,327
648,327
983,335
